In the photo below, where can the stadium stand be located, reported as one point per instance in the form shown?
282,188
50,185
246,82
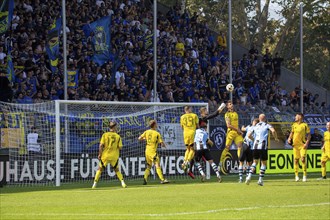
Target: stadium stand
192,61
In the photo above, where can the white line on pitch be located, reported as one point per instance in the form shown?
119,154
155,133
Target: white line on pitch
166,214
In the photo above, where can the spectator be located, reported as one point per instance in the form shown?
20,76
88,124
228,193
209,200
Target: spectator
277,62
222,41
6,94
267,63
316,140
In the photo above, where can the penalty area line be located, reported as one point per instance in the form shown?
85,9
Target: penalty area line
167,214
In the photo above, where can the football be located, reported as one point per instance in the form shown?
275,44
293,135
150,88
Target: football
230,87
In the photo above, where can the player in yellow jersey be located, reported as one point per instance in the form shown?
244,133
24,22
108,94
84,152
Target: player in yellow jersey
325,151
189,124
153,139
109,148
299,138
234,133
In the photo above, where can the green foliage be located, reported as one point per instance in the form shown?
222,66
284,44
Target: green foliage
281,35
184,199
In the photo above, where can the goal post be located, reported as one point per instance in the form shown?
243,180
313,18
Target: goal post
70,132
87,120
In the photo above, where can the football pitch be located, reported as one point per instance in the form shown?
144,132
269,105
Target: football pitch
279,198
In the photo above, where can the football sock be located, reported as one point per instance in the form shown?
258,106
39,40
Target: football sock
186,154
247,170
191,154
119,175
262,172
240,172
97,176
223,154
146,173
215,168
160,173
252,168
200,169
304,168
323,169
296,169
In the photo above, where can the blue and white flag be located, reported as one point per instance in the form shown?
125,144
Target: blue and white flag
6,15
101,38
53,44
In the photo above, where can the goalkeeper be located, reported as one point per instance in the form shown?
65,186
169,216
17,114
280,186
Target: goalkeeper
204,117
153,139
110,145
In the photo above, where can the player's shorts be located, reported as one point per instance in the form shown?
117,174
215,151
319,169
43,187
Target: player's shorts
233,136
114,163
325,156
299,152
261,154
188,138
152,158
246,153
203,153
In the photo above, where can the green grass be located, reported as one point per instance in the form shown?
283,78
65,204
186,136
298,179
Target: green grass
279,198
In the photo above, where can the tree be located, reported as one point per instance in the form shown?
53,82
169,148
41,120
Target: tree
252,24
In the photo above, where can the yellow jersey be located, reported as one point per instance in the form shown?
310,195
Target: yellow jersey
326,139
299,133
233,118
112,144
189,122
153,139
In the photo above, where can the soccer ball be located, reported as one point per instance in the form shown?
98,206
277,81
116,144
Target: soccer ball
230,87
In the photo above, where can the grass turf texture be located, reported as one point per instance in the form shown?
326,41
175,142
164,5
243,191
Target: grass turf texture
279,198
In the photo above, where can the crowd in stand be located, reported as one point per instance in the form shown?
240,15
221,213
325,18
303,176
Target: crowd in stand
192,62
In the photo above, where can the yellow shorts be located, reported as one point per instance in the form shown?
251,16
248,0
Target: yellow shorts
152,158
113,162
325,156
188,138
233,136
299,152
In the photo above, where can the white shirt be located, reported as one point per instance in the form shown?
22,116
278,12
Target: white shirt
261,131
201,137
32,142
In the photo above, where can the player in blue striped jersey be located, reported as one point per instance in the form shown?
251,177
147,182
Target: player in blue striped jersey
201,146
260,147
246,154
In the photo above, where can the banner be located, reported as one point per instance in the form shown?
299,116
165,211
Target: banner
101,38
10,66
11,137
53,44
279,161
6,15
316,119
73,79
42,168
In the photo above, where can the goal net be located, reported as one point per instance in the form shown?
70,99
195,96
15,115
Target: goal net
57,142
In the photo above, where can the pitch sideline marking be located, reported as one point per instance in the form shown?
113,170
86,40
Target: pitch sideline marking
167,214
